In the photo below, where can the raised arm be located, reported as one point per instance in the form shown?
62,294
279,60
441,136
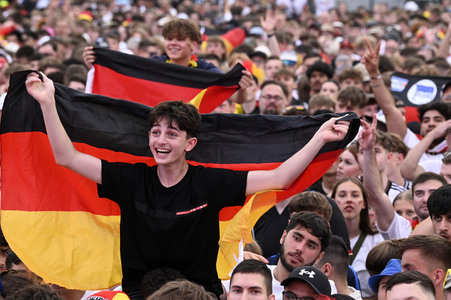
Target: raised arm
372,180
268,24
384,98
283,176
410,168
63,150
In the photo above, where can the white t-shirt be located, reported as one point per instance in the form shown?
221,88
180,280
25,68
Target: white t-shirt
399,228
359,263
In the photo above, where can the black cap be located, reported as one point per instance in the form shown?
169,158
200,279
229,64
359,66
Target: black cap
311,275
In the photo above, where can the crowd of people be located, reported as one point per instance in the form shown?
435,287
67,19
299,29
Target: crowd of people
377,225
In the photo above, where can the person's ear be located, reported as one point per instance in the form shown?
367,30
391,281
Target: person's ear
439,276
190,144
272,297
327,269
284,234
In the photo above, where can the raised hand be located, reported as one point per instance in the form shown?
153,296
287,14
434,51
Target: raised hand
42,90
89,56
334,130
367,136
371,58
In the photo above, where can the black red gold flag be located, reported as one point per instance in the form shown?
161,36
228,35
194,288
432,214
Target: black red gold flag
59,227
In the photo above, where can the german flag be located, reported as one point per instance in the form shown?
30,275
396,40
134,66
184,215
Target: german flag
150,81
54,220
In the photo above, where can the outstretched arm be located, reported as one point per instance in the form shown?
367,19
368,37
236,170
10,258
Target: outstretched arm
372,180
410,168
63,150
384,98
283,176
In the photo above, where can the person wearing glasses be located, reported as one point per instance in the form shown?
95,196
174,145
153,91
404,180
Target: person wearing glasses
306,283
273,97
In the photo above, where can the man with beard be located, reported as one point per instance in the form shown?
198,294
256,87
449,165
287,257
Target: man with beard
302,243
439,206
273,97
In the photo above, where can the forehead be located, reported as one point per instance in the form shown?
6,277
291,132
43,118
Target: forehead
329,85
414,258
433,114
429,184
248,280
349,186
272,88
318,73
274,62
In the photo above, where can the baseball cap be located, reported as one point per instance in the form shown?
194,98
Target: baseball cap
311,275
393,266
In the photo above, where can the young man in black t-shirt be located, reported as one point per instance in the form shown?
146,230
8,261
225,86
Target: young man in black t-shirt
169,212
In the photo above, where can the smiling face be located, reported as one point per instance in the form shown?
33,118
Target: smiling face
349,199
168,143
299,248
179,49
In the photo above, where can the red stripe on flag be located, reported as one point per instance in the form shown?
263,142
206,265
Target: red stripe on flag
112,84
56,188
313,172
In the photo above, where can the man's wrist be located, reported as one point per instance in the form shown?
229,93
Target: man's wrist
376,76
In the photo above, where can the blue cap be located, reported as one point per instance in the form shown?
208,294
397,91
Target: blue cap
393,267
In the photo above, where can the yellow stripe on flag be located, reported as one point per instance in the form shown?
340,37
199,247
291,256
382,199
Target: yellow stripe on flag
240,227
196,101
81,235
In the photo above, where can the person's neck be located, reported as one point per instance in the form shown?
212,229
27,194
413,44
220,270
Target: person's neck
353,227
328,182
396,177
280,273
181,62
341,284
171,175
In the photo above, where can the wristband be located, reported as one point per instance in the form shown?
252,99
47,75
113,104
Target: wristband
375,77
270,35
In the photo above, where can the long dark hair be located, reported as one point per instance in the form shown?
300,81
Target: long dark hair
364,223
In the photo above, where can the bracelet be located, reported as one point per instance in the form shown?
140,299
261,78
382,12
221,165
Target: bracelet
270,35
375,77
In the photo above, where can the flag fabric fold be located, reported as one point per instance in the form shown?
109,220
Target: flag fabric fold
149,81
54,220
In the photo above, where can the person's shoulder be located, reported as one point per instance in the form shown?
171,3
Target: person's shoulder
204,65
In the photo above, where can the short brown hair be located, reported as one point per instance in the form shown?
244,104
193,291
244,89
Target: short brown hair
311,201
353,95
182,28
435,249
351,73
182,290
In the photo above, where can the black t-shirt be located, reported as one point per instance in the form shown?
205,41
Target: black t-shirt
176,227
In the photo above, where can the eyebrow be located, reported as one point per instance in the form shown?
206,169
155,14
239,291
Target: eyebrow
308,240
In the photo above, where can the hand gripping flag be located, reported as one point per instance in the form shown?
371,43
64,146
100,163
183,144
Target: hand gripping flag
58,226
150,81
